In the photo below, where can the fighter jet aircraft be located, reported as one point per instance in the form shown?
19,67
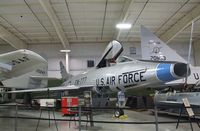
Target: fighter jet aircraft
108,77
155,49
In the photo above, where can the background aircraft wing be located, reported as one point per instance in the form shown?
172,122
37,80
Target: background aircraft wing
59,88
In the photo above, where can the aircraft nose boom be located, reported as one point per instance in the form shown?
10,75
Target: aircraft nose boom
168,72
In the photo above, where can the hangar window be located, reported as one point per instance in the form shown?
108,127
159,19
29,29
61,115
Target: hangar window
132,50
90,63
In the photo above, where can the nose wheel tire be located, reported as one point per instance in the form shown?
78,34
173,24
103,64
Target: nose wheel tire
118,113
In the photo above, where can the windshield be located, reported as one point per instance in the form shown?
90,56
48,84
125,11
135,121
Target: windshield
122,59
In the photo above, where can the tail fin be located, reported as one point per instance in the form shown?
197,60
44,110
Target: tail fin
65,75
155,49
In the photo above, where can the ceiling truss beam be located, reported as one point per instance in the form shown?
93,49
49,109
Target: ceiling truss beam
11,39
181,25
54,20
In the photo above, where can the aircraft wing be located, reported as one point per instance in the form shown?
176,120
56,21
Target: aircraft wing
174,103
169,103
59,88
16,63
44,77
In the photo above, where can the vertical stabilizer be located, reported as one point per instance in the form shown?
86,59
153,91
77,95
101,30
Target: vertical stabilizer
65,75
155,49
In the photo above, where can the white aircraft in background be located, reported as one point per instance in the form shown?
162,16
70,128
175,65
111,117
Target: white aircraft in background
22,69
155,49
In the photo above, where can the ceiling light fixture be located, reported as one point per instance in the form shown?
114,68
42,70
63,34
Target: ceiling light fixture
123,26
67,51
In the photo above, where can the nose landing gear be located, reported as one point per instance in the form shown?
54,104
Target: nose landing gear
120,104
118,112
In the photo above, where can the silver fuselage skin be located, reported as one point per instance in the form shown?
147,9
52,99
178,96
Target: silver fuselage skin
122,76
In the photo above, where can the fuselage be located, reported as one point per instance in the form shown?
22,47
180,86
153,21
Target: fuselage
127,75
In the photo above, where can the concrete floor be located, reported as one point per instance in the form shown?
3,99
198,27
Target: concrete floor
7,124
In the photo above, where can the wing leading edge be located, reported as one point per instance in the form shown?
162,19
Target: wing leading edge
59,88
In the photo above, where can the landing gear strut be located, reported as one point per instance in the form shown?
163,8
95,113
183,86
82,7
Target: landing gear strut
28,99
120,104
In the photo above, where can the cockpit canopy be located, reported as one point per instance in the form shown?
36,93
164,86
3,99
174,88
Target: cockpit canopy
122,59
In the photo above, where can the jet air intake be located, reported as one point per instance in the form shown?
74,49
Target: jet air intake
168,72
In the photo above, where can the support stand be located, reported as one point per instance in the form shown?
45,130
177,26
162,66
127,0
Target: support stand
156,112
180,113
16,116
49,118
156,117
47,108
189,111
87,111
79,115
